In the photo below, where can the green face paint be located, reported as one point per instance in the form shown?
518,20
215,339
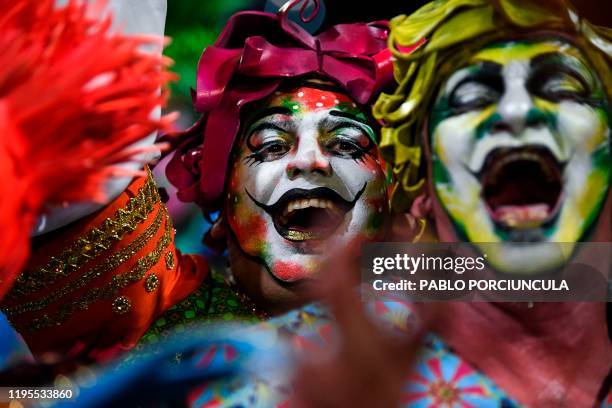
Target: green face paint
521,145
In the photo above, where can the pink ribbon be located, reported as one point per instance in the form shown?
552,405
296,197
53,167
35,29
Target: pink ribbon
251,57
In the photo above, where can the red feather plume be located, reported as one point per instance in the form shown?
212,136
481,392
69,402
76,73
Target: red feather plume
73,98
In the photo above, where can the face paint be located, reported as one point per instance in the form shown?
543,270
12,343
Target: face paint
521,149
307,175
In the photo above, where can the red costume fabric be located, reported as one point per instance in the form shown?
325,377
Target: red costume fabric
94,288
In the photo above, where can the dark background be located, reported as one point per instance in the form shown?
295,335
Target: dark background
597,11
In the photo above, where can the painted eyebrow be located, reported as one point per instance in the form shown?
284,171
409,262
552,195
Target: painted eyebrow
490,67
487,72
572,64
483,70
368,129
274,110
551,57
347,115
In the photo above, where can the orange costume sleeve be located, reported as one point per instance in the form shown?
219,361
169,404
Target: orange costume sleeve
93,289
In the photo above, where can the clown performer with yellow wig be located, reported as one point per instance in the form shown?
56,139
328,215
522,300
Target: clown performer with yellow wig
499,132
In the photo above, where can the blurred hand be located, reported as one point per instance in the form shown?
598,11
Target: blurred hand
368,365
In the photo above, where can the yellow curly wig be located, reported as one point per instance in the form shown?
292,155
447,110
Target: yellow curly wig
454,30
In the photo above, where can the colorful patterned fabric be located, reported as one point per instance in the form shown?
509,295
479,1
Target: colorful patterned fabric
440,378
302,328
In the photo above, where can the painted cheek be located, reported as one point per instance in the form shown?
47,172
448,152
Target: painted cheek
447,143
455,141
375,193
234,181
582,126
250,231
482,121
233,194
373,163
248,226
289,271
376,200
237,201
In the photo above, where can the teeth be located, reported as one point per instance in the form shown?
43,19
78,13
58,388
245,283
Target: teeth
309,203
332,207
524,216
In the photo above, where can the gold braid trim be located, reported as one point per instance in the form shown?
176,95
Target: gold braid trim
109,290
95,242
113,262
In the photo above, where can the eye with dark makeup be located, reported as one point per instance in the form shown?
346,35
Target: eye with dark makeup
348,140
471,95
267,141
559,84
482,86
556,77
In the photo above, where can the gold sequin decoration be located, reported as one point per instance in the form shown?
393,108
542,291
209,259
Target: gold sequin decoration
170,260
122,305
66,310
151,283
113,262
96,241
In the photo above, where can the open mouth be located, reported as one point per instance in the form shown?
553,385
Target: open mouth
302,215
522,187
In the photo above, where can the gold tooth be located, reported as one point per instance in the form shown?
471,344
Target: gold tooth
300,235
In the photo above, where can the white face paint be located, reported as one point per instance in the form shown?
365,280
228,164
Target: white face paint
306,174
521,150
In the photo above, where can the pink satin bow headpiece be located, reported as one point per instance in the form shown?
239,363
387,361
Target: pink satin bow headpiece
248,62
